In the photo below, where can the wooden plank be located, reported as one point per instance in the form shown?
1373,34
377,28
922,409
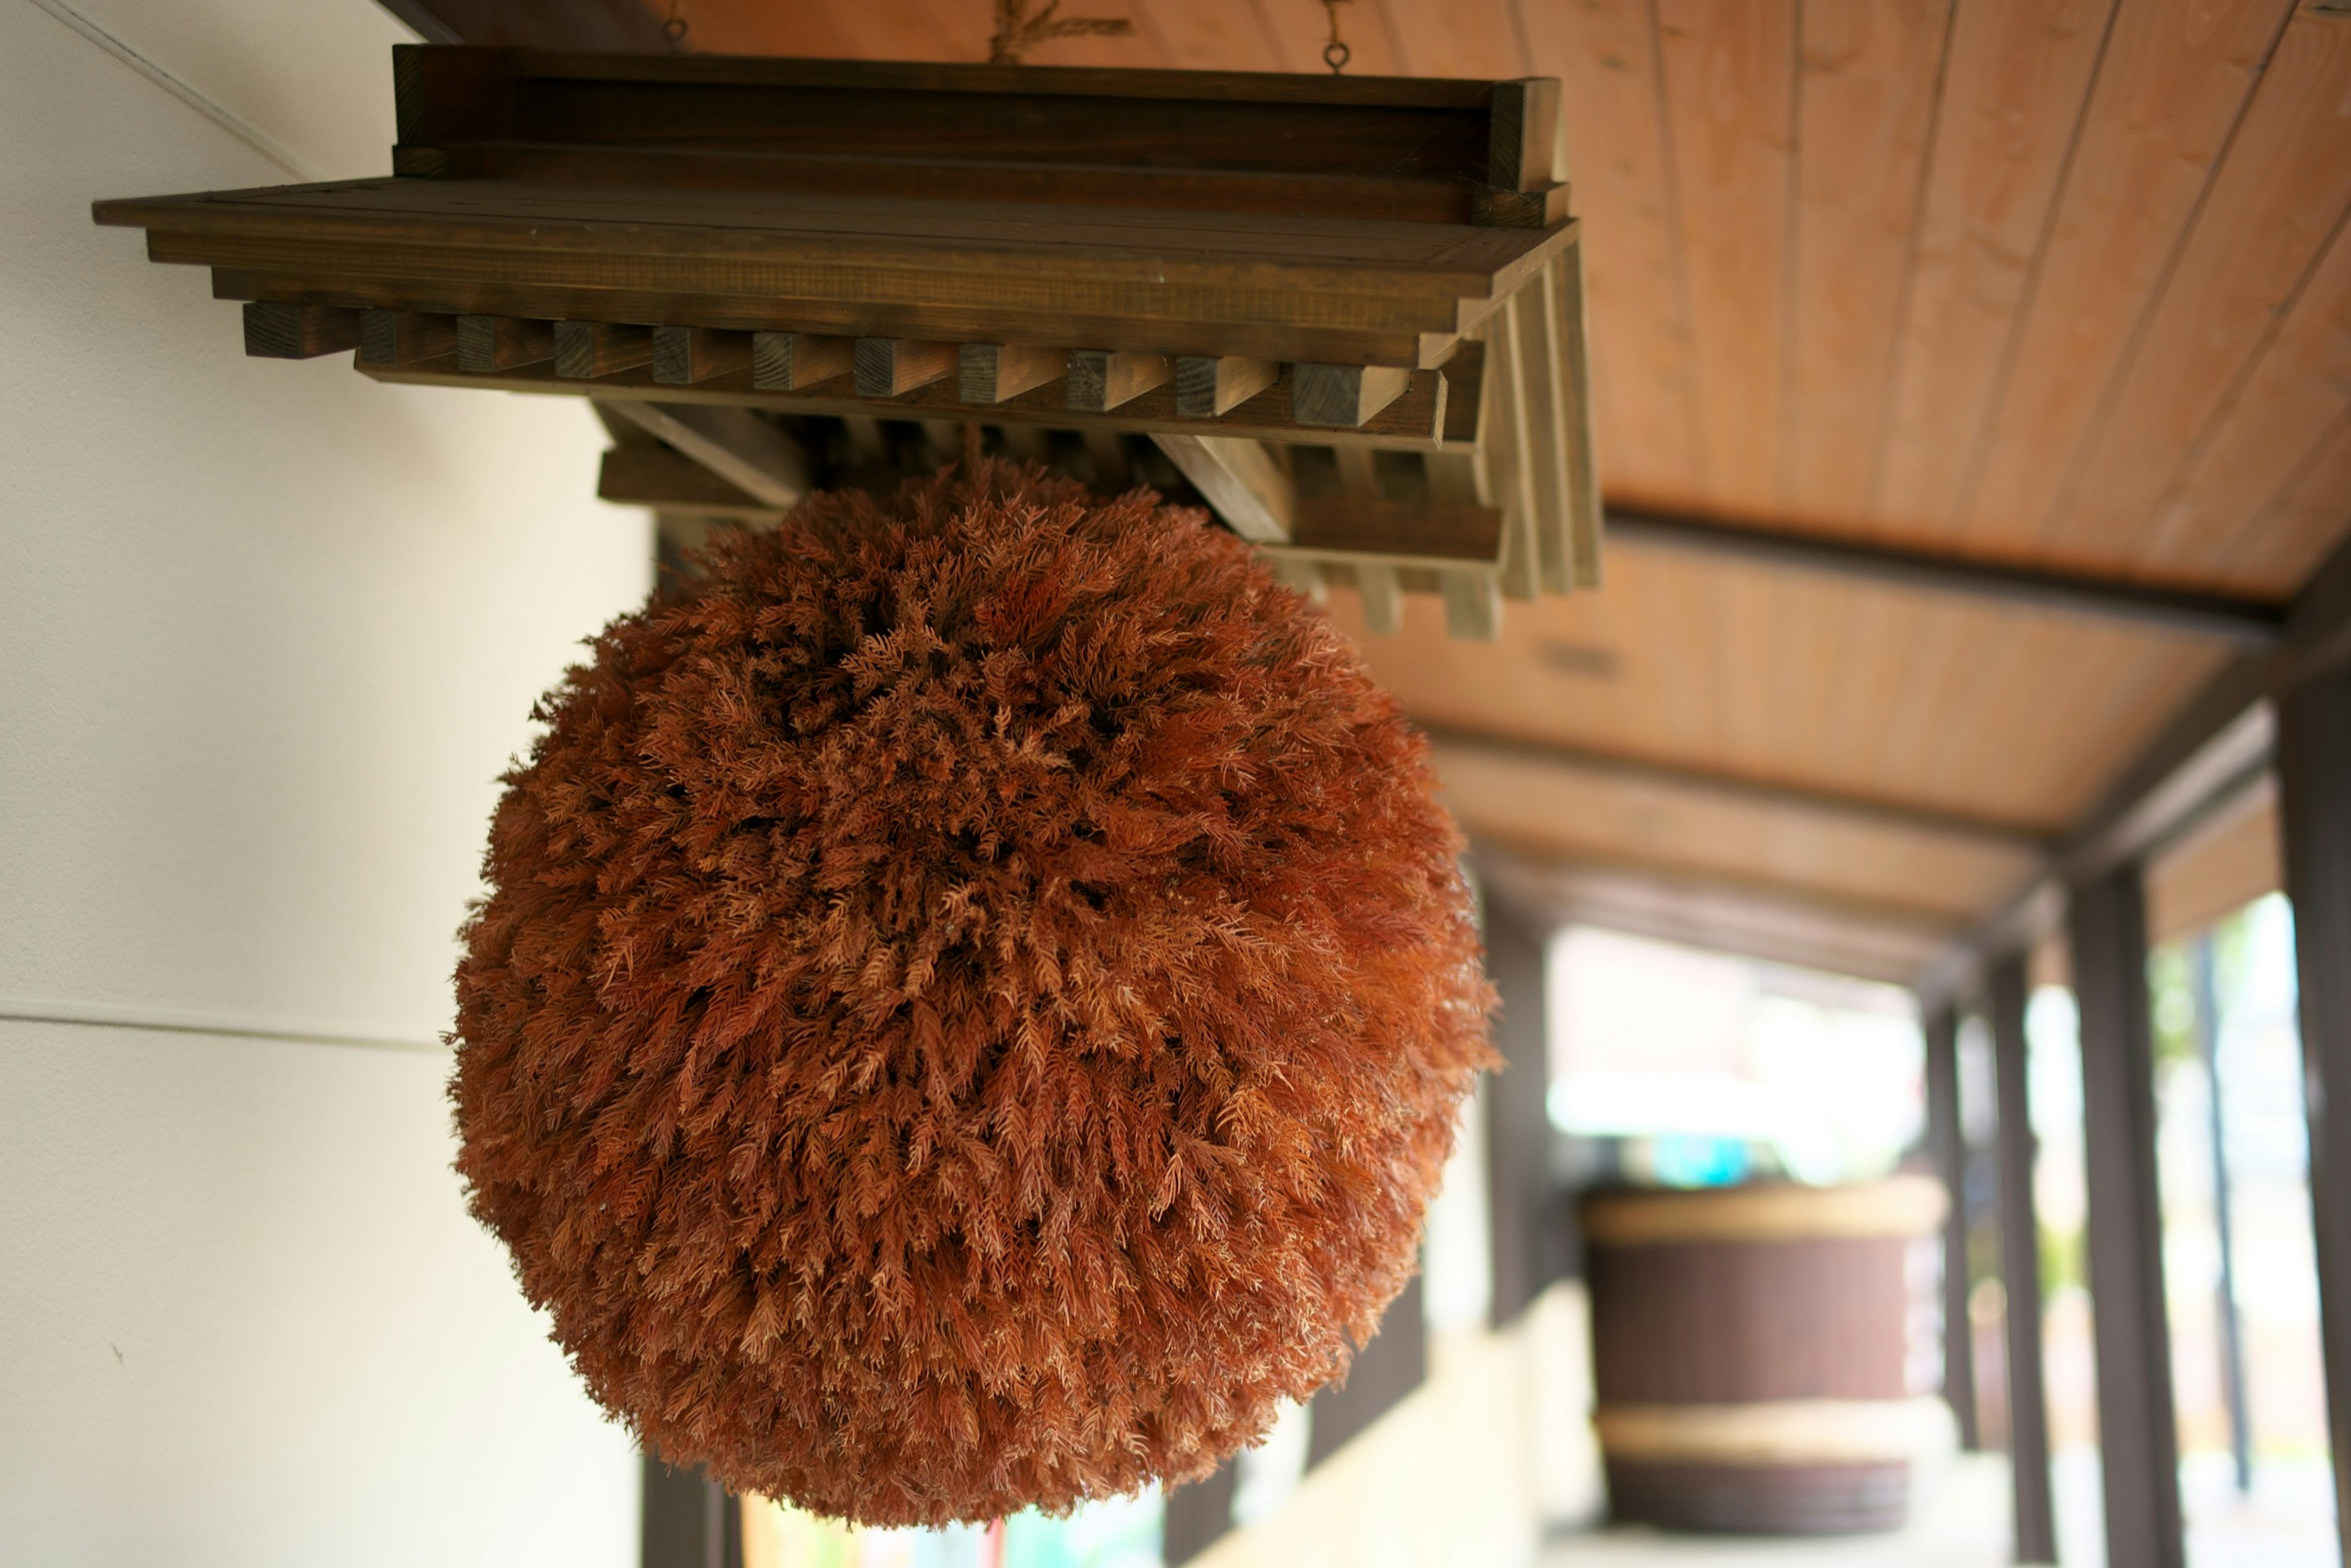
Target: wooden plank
1239,479
789,361
587,349
1208,386
1300,574
1415,421
2273,206
1342,396
2170,98
1947,1147
1473,603
991,372
299,331
1347,527
684,355
1511,453
1542,347
2007,993
1870,70
739,446
1729,82
1524,135
665,480
890,367
1100,379
487,345
404,336
2014,86
1573,354
1644,390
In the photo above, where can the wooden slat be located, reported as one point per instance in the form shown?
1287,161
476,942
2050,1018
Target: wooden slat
789,361
1344,396
1238,478
890,367
2169,98
1417,421
2226,517
1535,318
684,355
404,336
1417,533
2293,532
1524,138
1866,105
1206,386
489,344
670,481
747,452
1573,357
586,350
1382,597
1510,452
1100,379
1644,388
2013,88
1473,603
1729,76
299,331
2277,199
991,372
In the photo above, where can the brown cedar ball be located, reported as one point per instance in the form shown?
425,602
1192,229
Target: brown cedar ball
974,999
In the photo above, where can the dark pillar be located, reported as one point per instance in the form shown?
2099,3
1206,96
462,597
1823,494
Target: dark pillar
2207,992
687,1520
1947,1145
2315,799
1528,1213
2138,1436
1384,1370
1197,1516
2020,1251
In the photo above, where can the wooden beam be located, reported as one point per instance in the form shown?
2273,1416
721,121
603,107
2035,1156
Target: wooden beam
1103,379
1947,1144
587,349
2138,1423
2247,623
892,367
669,481
1207,387
614,25
404,336
274,331
1524,134
2006,995
487,345
1344,397
991,372
2314,802
1473,602
746,451
1239,479
787,361
1383,598
684,355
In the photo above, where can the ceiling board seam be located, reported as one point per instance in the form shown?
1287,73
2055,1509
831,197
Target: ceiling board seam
1685,323
2201,442
2077,468
1395,39
1874,487
2297,475
1791,260
2028,296
1148,26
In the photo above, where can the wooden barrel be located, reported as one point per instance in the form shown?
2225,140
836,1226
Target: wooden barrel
1766,1357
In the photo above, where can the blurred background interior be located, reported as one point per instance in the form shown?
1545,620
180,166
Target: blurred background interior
1915,1054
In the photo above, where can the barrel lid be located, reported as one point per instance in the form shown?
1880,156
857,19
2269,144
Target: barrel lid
1902,1205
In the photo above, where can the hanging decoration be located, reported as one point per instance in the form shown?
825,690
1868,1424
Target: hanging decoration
1335,54
975,997
1252,271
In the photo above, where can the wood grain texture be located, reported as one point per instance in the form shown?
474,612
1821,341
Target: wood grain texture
991,372
2175,82
1240,479
1870,75
890,367
1100,379
684,355
1206,386
2014,86
787,361
2274,205
586,350
1729,92
404,336
299,331
1344,396
487,345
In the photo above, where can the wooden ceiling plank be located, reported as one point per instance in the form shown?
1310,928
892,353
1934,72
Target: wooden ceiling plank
1472,38
2279,194
1298,32
1603,53
1729,76
2299,392
1140,48
2172,88
1869,77
2014,87
1203,35
2302,522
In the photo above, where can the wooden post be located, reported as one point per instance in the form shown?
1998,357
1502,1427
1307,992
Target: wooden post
1197,1515
1530,1218
2020,1253
1948,1147
2315,800
2106,926
687,1520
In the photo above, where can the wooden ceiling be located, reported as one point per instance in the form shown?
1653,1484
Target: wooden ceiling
2051,282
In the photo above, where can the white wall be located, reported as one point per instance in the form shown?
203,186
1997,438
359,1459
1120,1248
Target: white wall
268,632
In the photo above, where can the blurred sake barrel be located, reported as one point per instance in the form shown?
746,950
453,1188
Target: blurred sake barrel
1766,1357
